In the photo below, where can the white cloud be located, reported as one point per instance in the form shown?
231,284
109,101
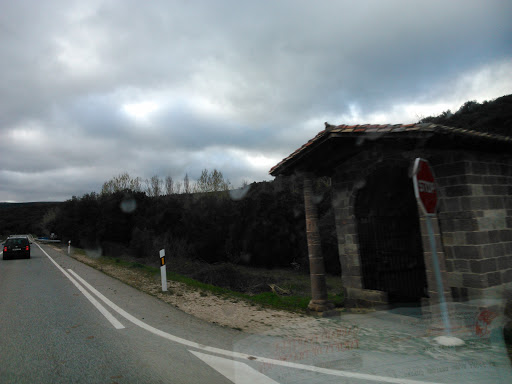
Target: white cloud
483,83
140,111
103,87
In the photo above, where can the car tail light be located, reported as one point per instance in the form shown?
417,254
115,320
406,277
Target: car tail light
5,249
27,248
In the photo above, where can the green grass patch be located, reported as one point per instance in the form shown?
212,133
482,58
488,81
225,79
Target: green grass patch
267,299
199,285
270,299
129,264
137,265
336,299
80,251
298,301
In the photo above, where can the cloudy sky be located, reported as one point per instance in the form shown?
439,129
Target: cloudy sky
91,89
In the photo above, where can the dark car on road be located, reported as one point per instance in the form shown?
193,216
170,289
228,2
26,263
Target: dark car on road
16,247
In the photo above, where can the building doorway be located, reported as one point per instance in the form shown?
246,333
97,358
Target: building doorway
389,236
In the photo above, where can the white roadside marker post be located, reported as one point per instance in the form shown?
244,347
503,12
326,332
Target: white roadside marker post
163,271
69,247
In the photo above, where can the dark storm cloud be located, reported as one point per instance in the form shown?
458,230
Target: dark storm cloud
93,89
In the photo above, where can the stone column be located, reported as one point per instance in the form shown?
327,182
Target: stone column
319,301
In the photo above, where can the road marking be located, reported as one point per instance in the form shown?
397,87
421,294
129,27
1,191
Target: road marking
242,356
116,323
237,372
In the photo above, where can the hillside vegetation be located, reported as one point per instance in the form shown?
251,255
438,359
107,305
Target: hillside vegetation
260,225
490,116
18,218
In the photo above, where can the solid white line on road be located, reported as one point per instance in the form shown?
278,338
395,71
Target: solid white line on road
238,373
116,323
243,356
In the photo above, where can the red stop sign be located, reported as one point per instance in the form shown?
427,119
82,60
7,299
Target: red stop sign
424,186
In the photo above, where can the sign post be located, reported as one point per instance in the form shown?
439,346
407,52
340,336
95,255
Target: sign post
163,271
69,247
426,195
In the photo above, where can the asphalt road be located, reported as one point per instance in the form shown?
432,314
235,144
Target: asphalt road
64,322
51,333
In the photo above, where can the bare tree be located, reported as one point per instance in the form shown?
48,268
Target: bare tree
169,185
186,184
212,181
108,187
153,186
218,181
122,182
147,187
203,183
136,184
178,187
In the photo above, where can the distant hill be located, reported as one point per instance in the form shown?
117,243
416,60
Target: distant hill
490,116
21,218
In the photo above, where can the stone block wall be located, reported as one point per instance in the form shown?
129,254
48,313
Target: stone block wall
473,229
475,217
347,179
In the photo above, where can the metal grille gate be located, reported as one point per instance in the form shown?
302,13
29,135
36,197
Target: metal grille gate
391,262
389,237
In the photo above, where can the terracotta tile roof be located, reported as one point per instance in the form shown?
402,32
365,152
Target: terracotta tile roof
389,130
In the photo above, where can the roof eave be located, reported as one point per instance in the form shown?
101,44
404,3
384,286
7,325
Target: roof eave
284,167
431,135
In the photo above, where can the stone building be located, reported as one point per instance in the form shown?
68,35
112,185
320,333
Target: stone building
383,241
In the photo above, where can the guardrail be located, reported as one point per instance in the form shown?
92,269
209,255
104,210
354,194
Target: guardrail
48,241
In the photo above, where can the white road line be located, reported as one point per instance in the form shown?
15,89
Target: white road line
243,356
116,323
237,372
